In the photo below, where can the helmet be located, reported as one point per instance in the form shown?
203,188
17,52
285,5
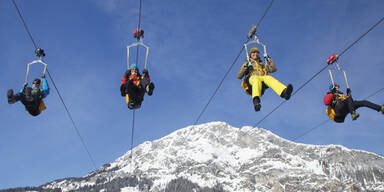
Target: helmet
254,49
133,67
36,81
331,86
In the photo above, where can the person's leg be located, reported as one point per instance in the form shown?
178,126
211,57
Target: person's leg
256,83
256,103
123,89
33,110
365,103
11,98
134,93
350,104
278,87
130,88
149,88
28,93
351,107
147,85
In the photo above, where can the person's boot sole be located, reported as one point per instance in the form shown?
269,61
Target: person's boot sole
257,107
288,92
354,118
9,94
151,86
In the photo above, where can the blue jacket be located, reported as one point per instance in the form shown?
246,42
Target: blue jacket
43,91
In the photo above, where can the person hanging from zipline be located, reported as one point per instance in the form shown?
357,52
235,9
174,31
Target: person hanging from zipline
134,86
339,105
257,79
31,97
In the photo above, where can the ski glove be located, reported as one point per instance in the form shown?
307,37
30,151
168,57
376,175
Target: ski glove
348,91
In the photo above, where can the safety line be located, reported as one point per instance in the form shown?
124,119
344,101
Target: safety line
341,53
319,125
73,122
25,25
69,115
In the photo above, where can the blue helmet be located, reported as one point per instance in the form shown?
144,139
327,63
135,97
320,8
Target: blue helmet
133,67
331,86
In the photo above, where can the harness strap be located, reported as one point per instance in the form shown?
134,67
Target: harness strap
258,68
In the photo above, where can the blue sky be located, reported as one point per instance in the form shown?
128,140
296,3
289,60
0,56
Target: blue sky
192,43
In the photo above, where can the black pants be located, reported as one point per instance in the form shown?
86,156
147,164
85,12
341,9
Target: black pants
135,93
343,107
31,106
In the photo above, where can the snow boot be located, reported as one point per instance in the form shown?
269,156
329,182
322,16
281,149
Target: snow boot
256,103
11,97
286,94
150,88
355,116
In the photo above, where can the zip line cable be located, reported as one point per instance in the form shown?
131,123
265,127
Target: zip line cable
133,128
322,123
358,39
218,87
310,130
53,82
373,94
141,5
138,29
137,63
302,86
73,122
25,25
231,66
265,13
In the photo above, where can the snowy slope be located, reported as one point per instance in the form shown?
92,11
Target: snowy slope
218,157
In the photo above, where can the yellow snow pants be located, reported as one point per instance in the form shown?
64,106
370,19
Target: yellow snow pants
271,82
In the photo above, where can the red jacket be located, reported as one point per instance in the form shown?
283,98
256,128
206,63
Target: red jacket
136,79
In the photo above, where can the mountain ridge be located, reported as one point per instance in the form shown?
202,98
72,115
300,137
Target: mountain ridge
218,157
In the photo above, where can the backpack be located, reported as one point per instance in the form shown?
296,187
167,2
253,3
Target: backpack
330,112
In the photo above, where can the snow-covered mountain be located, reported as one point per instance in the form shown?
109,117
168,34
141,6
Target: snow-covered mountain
216,157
